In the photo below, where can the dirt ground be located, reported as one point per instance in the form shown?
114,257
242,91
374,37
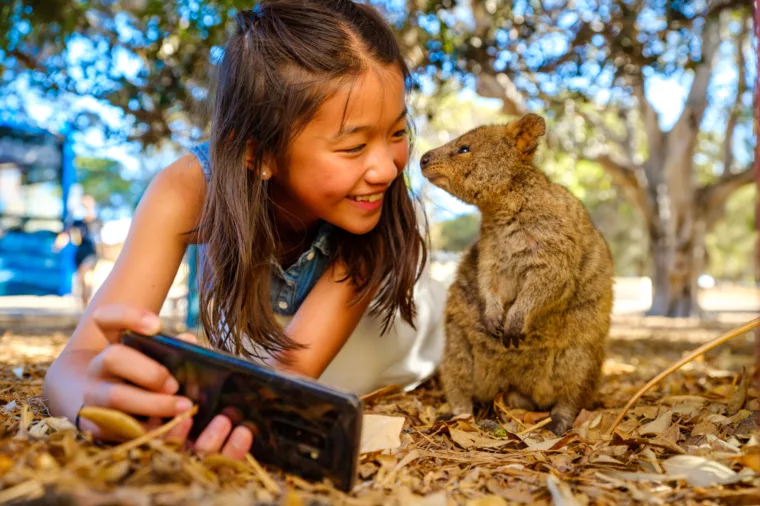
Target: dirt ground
693,439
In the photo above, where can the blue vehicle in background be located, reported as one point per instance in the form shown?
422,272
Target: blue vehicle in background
36,177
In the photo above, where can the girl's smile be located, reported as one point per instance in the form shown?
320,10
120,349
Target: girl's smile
347,156
369,202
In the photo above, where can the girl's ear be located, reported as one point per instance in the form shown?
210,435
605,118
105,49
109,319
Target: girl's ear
266,171
249,147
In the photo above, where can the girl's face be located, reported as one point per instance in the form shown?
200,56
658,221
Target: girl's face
344,160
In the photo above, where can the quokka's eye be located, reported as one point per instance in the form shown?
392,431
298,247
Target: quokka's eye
463,149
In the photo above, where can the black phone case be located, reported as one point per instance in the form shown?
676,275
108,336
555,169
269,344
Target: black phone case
299,425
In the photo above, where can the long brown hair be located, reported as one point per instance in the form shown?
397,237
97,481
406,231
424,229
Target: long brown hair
286,58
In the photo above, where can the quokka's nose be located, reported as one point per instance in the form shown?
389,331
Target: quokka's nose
425,159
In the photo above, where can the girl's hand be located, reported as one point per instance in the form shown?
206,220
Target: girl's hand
124,379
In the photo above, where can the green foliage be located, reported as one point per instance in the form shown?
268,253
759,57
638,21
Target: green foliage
101,178
731,245
456,234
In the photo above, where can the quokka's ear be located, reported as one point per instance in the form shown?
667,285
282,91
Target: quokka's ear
525,133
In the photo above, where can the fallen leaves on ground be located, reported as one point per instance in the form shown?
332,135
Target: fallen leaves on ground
693,439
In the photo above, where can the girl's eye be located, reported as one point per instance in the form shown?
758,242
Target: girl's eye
355,150
400,133
463,149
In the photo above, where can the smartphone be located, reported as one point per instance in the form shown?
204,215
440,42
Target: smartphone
298,425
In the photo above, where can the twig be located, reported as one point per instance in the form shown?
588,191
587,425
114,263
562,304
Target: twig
267,480
688,358
28,489
380,392
542,423
499,403
134,443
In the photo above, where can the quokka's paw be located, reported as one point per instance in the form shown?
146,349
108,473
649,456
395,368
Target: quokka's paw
513,333
510,340
494,327
560,423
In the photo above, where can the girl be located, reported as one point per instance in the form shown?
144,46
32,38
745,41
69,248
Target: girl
312,246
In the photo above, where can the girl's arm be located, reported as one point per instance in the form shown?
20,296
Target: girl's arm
324,323
139,281
94,368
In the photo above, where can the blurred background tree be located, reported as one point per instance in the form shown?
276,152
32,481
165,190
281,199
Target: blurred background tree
597,69
102,179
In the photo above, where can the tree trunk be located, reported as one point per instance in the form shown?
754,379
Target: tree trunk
676,273
665,190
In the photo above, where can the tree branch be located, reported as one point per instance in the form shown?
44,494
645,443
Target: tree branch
696,102
649,117
624,142
629,179
741,87
713,197
500,86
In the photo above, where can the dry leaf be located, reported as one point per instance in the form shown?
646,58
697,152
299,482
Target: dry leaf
115,472
700,471
649,461
739,396
622,475
533,417
292,498
46,461
658,426
409,499
515,492
544,445
716,418
217,461
704,428
367,470
113,421
583,419
469,440
59,423
26,418
743,414
605,459
490,500
751,458
380,432
38,430
561,492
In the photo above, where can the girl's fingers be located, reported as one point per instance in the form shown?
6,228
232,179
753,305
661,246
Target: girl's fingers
123,362
238,444
187,337
134,400
214,435
113,318
180,432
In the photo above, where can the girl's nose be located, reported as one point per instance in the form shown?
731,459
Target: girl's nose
383,169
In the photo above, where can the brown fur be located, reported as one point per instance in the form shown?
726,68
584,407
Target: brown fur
540,277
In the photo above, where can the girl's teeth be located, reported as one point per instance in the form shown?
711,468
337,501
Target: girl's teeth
369,198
